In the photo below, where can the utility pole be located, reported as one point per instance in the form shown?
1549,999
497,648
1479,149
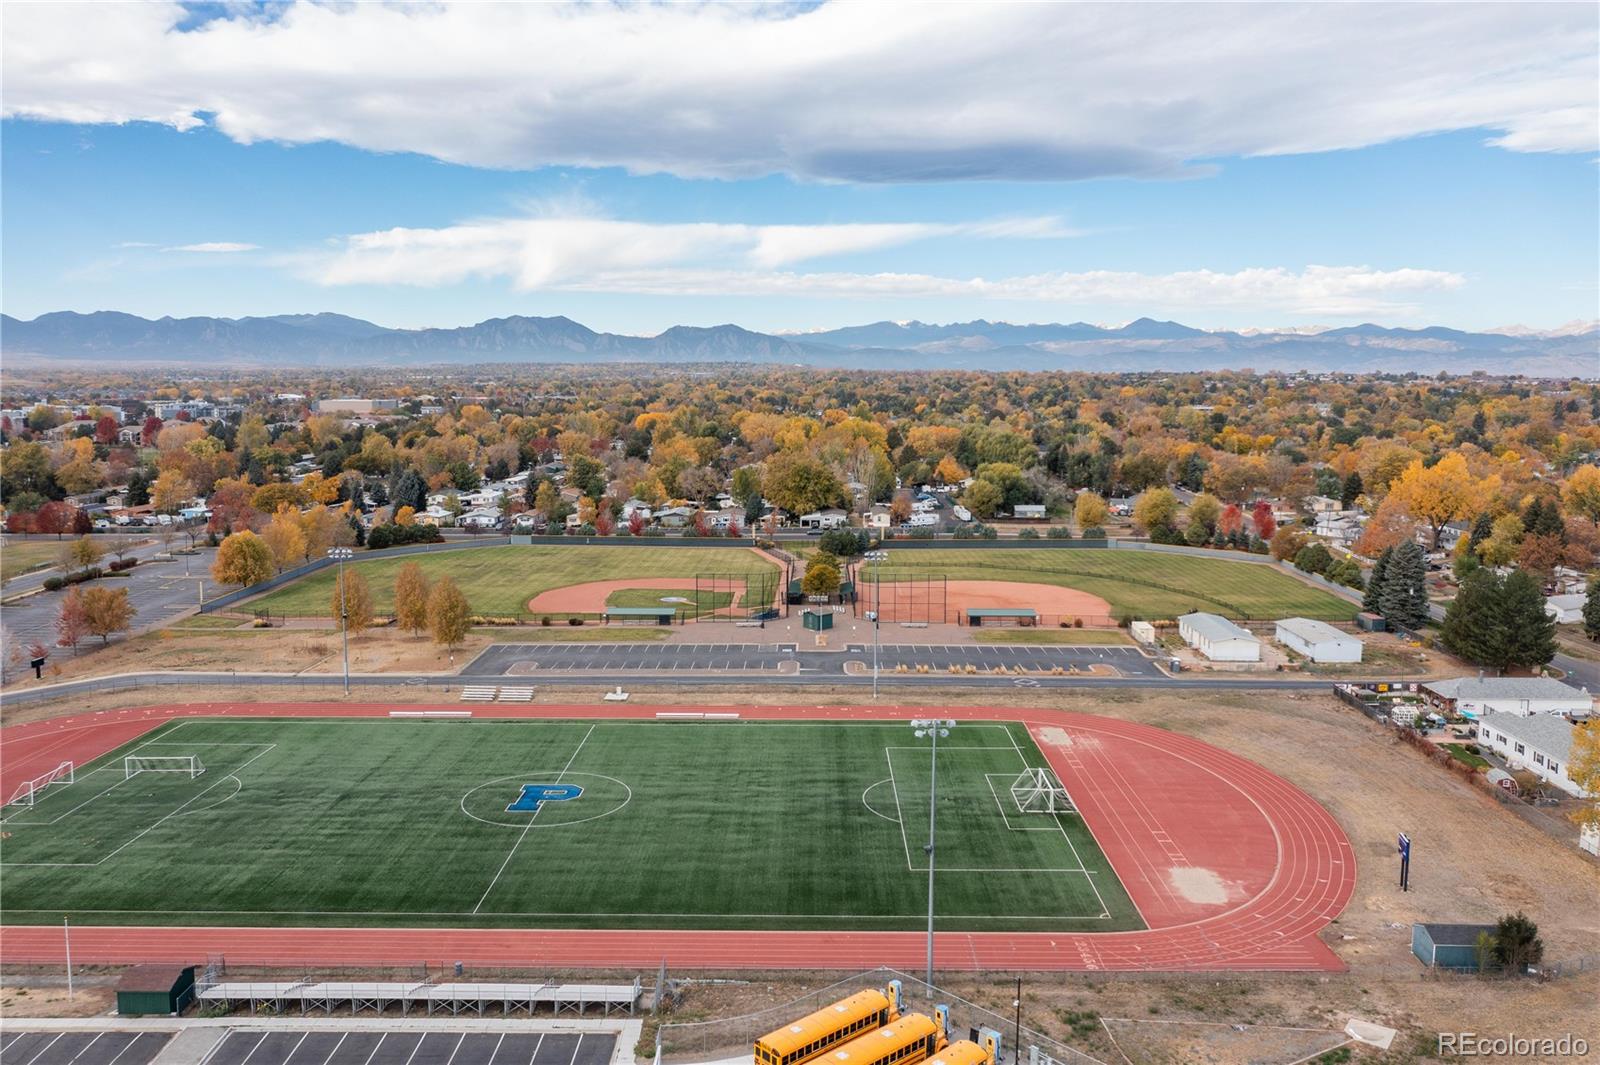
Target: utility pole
340,555
66,933
932,728
876,558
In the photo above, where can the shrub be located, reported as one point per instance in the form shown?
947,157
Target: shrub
123,563
844,543
1028,534
1060,532
574,621
1094,532
52,584
1077,623
544,619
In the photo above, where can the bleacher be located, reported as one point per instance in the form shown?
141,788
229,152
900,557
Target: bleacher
453,998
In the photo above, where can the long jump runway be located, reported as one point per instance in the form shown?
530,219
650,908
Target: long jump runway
1230,866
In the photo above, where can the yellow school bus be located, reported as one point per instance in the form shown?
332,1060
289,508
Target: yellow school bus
913,1038
965,1052
817,1033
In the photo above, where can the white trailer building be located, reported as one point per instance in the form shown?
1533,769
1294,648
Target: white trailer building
1318,641
1218,639
1540,744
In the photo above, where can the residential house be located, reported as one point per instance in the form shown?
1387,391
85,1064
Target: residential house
829,518
1540,744
1566,609
1518,696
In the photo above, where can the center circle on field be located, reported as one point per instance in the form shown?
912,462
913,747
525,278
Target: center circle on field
602,796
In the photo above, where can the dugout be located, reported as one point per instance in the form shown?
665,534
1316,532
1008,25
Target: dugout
155,989
640,615
1449,946
992,616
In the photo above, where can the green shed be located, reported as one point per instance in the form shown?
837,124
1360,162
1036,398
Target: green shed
155,989
640,615
1449,946
817,620
977,616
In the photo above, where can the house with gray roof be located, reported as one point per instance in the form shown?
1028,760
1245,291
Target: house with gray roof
1540,743
1476,696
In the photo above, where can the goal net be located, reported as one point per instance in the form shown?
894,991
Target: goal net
31,791
187,764
1038,791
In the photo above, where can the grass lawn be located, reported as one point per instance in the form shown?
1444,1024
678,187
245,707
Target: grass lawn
703,602
499,581
1460,753
1136,583
24,556
678,825
1074,637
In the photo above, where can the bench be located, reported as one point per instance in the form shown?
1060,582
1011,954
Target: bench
516,695
478,695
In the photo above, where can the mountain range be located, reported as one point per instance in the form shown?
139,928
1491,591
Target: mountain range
336,340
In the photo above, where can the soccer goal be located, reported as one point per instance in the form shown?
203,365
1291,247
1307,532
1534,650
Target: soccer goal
31,791
187,764
1038,791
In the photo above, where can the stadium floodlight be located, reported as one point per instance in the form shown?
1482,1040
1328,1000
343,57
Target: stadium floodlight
877,558
934,729
340,556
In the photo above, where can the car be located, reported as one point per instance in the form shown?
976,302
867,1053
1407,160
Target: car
102,524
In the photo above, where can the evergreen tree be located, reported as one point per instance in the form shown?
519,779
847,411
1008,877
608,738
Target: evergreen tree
410,490
1482,529
1352,489
1469,629
1371,601
1543,518
1403,599
1591,611
1527,633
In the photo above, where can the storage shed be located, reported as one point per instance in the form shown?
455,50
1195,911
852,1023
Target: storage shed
155,989
640,615
1318,641
1448,946
1218,638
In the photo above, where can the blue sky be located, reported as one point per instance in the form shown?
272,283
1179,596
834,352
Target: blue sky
632,203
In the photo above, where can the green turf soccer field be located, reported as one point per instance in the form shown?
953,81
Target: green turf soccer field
779,825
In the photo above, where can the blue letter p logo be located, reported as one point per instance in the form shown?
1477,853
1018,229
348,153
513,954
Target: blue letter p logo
535,794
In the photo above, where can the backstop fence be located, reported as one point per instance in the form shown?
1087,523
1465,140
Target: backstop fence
902,598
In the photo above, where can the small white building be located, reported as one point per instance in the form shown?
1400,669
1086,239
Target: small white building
879,517
1218,639
1318,641
1566,609
830,518
1028,511
1521,696
1540,744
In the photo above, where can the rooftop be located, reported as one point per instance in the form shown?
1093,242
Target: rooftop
1216,627
1547,733
1313,631
1506,688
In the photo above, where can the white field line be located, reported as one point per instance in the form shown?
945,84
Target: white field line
524,835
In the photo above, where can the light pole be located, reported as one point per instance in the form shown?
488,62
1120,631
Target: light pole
66,933
933,728
341,555
877,559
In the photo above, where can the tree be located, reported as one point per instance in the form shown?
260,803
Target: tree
1156,509
1403,600
72,624
1591,614
1539,555
284,538
1517,945
243,559
1090,511
1582,492
546,499
1351,490
1528,632
1261,517
449,615
822,576
949,471
170,492
1583,769
1504,541
1439,494
1206,510
86,552
351,599
1469,629
982,498
800,484
107,611
409,491
635,523
54,517
411,598
269,497
1371,601
1286,543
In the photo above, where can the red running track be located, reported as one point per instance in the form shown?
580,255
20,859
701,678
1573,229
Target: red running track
1231,867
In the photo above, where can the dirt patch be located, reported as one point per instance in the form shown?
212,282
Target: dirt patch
1047,600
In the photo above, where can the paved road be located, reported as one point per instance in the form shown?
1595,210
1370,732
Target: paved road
160,592
648,659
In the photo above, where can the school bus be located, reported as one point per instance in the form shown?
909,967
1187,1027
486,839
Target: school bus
913,1038
817,1033
965,1052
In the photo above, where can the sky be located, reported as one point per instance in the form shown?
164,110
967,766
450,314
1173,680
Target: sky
799,167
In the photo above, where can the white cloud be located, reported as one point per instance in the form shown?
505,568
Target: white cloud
548,252
844,91
215,246
1332,290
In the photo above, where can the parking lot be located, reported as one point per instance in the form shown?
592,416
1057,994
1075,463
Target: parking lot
323,1047
503,660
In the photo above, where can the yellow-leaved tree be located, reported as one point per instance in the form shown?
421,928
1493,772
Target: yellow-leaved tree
411,599
1444,492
